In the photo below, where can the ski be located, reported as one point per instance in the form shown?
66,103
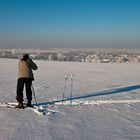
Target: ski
13,105
40,110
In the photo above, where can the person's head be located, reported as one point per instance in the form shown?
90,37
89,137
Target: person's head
25,57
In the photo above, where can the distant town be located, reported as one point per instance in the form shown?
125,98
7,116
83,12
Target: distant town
76,55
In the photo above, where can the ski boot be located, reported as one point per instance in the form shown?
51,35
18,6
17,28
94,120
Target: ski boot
20,105
29,104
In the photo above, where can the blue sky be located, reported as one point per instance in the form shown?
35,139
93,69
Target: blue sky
70,23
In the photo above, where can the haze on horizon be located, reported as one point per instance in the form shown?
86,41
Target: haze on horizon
69,24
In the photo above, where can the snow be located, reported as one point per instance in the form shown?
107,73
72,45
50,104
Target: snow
105,105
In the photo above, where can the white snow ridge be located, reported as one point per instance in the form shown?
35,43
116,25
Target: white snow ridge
75,101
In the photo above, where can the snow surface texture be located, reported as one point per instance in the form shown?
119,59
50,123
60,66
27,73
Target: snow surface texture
101,102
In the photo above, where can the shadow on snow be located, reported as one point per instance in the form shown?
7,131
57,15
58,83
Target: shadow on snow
96,94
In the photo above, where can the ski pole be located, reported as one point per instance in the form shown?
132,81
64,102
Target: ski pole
34,94
43,112
63,96
72,76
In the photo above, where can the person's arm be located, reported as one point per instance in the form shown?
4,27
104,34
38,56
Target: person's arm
32,64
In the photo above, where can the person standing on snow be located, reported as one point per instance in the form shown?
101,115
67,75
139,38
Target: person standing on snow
25,77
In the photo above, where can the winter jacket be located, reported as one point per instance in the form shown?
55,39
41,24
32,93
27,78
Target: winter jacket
25,68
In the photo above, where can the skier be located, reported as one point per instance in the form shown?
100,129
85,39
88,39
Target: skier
25,77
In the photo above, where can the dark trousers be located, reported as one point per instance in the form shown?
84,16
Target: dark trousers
20,87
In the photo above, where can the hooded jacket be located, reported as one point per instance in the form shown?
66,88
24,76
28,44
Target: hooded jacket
25,68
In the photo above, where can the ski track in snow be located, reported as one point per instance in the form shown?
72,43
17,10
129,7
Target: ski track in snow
47,110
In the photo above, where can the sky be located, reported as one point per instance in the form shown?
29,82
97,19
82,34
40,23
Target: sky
69,23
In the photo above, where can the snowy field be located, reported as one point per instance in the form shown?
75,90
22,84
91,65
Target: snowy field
105,102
